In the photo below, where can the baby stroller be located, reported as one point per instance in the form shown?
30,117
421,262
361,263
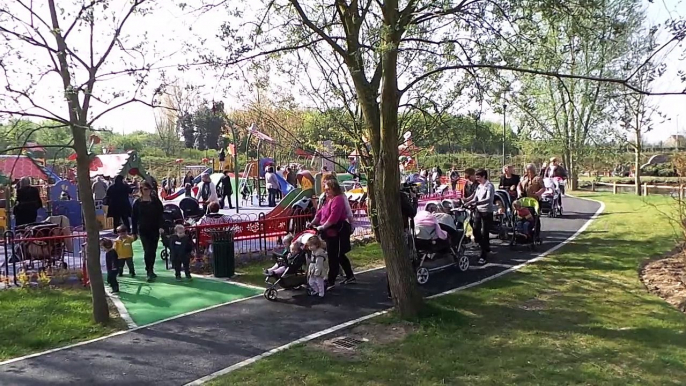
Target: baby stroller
502,215
294,276
190,208
428,246
533,237
29,247
171,216
551,199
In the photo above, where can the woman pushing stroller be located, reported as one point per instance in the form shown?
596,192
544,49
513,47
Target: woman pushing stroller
332,223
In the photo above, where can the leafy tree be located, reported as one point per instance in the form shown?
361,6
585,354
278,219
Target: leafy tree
585,40
187,130
83,43
378,59
637,113
208,122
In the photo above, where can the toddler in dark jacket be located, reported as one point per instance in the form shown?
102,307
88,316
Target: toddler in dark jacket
180,248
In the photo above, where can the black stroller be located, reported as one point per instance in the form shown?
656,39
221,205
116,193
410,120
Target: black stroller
171,216
428,247
294,275
532,237
502,220
190,208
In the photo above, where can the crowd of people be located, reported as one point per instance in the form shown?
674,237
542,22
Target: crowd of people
479,193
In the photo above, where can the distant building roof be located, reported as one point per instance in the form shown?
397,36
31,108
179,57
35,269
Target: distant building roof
17,166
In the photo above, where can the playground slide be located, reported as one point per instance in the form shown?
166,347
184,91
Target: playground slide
284,186
48,171
51,174
182,190
288,200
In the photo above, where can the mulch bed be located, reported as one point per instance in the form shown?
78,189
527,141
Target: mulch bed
666,278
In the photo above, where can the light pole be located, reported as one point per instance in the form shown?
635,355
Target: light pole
504,123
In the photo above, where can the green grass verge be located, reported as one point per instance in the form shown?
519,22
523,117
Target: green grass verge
630,180
362,257
580,316
35,320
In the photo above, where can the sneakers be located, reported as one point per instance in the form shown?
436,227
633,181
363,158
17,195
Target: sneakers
188,276
178,278
350,280
329,287
482,261
150,279
153,275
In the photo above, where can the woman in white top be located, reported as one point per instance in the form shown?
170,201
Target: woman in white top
272,184
207,191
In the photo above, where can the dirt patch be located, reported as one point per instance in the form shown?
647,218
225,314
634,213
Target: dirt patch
375,334
540,302
666,278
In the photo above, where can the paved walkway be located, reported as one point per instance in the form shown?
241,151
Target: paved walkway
182,350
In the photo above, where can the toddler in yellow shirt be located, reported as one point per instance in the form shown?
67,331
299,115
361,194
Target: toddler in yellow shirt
123,244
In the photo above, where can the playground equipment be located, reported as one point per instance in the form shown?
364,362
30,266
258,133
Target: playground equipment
65,202
112,165
255,170
182,190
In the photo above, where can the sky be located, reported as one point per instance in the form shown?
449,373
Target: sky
168,26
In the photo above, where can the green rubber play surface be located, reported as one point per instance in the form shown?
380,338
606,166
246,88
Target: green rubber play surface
165,297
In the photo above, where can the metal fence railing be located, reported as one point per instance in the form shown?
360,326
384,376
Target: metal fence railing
48,252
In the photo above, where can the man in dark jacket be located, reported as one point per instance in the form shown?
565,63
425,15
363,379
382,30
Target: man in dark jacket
226,190
118,203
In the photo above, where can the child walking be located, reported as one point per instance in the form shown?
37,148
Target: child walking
123,244
318,269
112,264
180,248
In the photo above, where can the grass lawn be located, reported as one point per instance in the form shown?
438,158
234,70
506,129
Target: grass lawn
362,257
580,316
35,320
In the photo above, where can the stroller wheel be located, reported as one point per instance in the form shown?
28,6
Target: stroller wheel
422,276
270,294
463,263
164,255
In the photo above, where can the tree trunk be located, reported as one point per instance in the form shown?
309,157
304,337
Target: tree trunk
401,276
572,175
637,173
77,117
101,312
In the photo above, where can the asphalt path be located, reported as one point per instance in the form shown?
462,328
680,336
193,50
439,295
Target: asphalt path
188,348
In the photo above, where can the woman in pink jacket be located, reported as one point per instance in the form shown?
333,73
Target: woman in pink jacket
331,222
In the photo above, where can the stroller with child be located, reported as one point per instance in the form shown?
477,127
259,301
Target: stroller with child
293,275
171,217
523,233
39,242
438,232
551,199
502,216
190,209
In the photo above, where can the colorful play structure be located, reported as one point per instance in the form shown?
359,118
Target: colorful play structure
60,196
